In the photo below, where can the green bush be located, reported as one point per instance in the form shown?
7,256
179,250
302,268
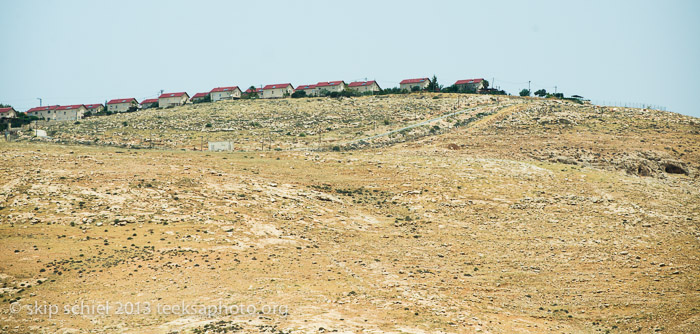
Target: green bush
525,92
299,94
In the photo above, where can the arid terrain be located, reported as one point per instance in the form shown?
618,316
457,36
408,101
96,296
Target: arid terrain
518,215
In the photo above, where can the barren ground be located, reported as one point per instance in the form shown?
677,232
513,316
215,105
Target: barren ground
537,216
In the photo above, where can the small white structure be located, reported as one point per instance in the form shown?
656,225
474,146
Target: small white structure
225,93
172,99
122,105
220,146
277,91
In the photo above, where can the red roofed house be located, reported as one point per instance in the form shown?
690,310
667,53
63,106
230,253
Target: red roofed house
364,86
225,93
8,112
330,86
470,85
309,89
122,105
277,91
45,112
408,84
199,97
69,113
95,108
149,103
172,99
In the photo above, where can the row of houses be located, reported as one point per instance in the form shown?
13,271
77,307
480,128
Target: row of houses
78,111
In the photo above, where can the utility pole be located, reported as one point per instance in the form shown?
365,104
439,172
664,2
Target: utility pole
555,89
528,85
40,101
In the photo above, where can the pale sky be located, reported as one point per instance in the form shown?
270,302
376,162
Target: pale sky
80,52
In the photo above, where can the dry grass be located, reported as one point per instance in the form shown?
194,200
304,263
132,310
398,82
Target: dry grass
473,229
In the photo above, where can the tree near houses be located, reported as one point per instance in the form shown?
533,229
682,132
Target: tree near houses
525,92
253,92
433,86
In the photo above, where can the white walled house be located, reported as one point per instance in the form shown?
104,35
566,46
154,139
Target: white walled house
199,97
277,91
69,113
309,89
408,84
149,103
45,112
172,99
8,112
225,93
364,86
122,105
95,108
330,86
470,85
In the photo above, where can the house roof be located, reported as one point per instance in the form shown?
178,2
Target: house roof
4,110
277,86
411,81
93,106
362,83
70,107
224,89
199,95
117,101
178,94
468,81
44,108
302,87
329,83
258,90
148,101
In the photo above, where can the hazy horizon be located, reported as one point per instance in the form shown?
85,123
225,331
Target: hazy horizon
81,52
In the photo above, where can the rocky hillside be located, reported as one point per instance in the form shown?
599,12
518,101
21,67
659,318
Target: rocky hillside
516,216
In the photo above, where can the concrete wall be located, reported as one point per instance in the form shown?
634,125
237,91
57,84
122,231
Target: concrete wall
220,146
